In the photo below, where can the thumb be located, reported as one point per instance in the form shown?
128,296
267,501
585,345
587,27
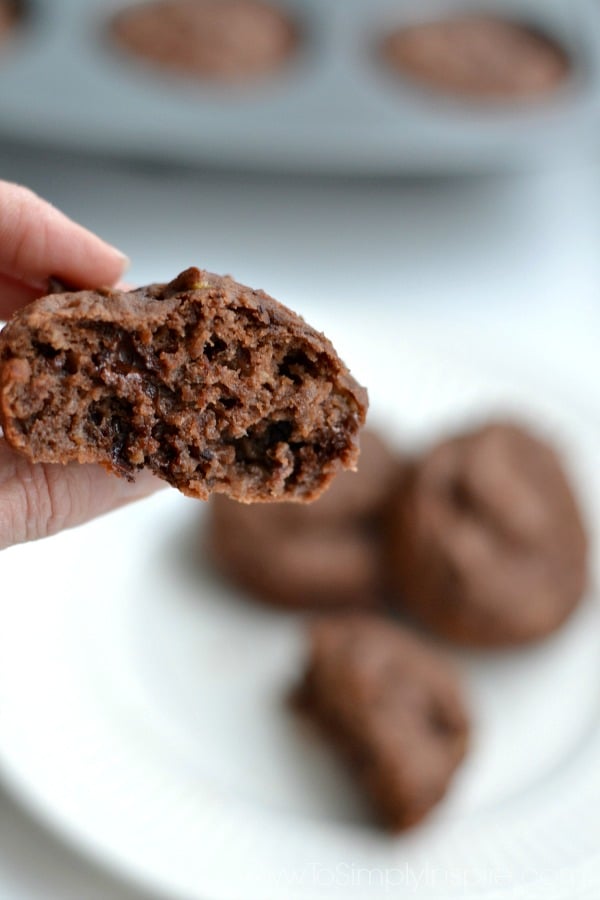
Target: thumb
37,500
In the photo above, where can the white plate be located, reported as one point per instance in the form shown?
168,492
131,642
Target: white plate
143,714
335,108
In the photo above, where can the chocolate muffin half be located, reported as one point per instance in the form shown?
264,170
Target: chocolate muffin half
211,385
394,708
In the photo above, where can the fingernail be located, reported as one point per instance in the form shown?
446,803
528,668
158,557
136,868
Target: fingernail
123,258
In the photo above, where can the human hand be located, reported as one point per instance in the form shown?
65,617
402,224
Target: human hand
36,242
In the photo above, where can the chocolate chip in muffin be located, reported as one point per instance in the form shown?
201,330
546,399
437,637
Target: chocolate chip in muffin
477,56
393,707
209,384
487,545
220,40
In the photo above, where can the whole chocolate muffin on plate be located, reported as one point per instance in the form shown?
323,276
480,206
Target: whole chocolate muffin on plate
487,544
329,553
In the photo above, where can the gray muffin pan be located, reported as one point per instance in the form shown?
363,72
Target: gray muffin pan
333,108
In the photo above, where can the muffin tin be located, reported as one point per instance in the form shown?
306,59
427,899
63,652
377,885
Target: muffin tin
334,108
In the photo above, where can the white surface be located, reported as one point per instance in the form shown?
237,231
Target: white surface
513,262
153,728
334,108
34,865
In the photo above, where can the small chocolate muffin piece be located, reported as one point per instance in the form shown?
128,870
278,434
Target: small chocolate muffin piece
392,705
325,554
487,543
211,385
224,40
478,56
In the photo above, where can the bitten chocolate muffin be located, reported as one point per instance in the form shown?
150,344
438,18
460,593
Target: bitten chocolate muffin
487,543
477,56
325,554
224,40
393,707
211,385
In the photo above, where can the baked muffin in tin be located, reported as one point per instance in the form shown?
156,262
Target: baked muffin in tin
477,56
213,40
